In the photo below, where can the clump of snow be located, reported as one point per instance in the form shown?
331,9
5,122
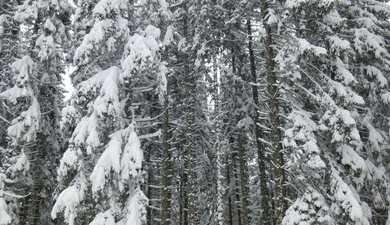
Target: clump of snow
294,3
107,103
86,134
351,158
365,39
136,208
46,47
109,7
3,21
347,200
26,125
300,137
374,72
68,161
345,93
90,87
339,45
105,218
386,97
334,19
343,126
245,122
271,17
5,218
168,38
140,50
310,208
305,46
69,115
27,12
343,73
91,40
67,202
24,67
22,164
132,156
109,161
50,26
375,138
152,31
163,83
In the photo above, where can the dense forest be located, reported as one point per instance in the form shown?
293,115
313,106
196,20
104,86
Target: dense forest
195,112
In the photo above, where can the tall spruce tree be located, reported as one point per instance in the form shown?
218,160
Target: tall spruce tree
101,171
9,49
332,128
35,101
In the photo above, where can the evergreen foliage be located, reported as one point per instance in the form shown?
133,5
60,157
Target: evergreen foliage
191,112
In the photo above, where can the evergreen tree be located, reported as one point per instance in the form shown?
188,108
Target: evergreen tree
329,126
35,102
8,51
101,171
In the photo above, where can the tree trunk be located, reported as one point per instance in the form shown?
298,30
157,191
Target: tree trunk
166,173
273,104
190,156
237,185
243,178
265,196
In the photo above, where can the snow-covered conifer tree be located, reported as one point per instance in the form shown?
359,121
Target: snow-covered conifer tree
35,102
331,134
101,170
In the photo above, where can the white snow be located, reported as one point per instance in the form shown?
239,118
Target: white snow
26,125
136,214
46,47
374,72
333,18
345,92
343,73
339,44
140,50
50,26
347,200
107,103
304,45
152,31
365,39
68,115
5,219
168,38
163,83
294,3
66,202
351,158
302,131
109,161
86,134
92,40
105,218
92,85
68,161
310,208
386,97
375,138
132,156
109,7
